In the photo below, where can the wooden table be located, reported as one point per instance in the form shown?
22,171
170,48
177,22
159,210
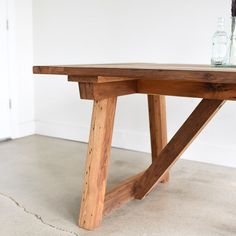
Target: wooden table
103,84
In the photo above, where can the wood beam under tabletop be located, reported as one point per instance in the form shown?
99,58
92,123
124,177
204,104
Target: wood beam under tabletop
98,91
97,79
208,90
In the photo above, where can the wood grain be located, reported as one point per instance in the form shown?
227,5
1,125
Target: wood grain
121,194
158,127
97,79
107,90
221,91
181,140
92,202
97,91
197,73
86,91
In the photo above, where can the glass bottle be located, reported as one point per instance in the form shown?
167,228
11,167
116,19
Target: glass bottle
232,45
219,44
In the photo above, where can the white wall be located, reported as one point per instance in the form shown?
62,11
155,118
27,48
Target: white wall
20,48
105,31
4,83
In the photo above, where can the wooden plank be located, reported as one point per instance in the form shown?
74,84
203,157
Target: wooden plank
92,202
97,79
121,194
158,127
197,73
97,91
181,140
83,79
86,91
107,90
132,66
221,91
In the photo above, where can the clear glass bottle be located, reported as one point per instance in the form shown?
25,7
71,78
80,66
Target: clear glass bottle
232,45
219,44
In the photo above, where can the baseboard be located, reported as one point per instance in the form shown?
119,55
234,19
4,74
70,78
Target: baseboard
139,141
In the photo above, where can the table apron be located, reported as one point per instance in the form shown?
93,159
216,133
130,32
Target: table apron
208,90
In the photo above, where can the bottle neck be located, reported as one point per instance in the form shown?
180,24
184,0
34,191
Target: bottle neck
221,24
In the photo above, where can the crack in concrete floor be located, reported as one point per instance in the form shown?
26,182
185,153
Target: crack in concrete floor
38,217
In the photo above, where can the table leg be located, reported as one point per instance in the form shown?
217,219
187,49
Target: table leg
94,188
158,128
181,140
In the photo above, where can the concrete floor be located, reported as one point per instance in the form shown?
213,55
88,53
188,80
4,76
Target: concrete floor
40,190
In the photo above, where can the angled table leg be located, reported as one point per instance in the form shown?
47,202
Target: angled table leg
93,197
158,127
181,140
